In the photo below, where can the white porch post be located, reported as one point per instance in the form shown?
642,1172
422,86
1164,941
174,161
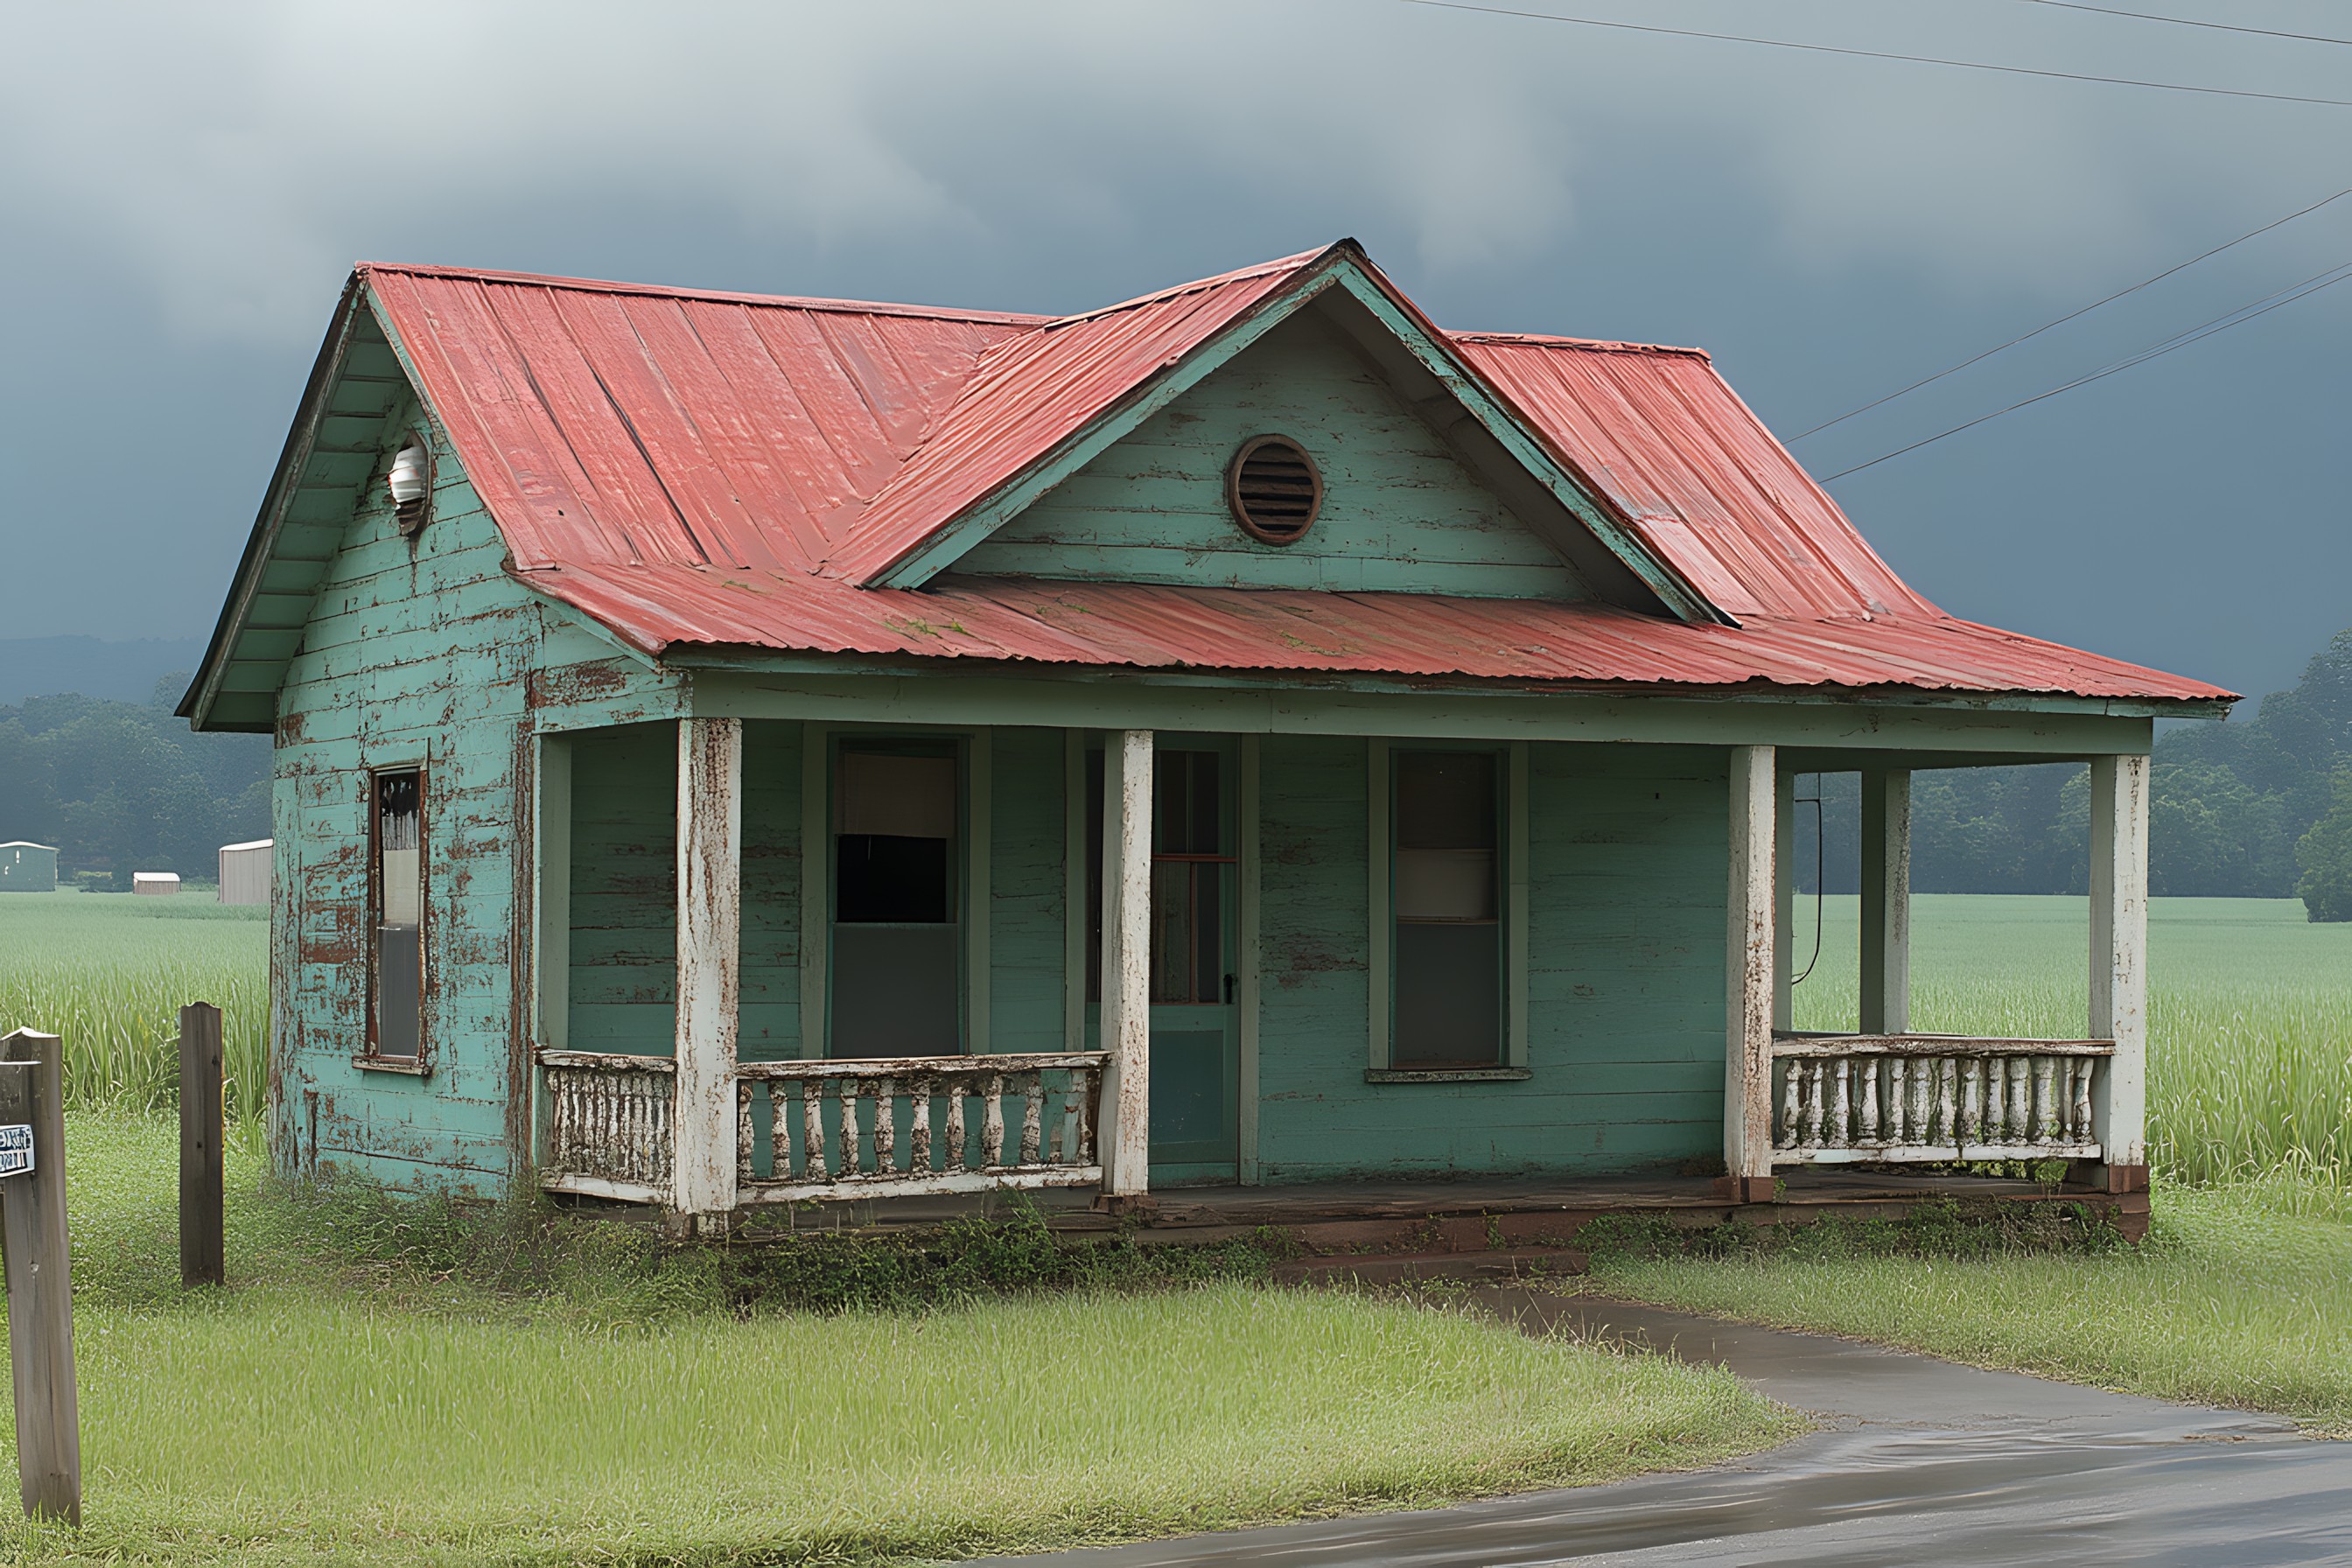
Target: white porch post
1126,1130
709,928
2119,963
1750,971
1885,900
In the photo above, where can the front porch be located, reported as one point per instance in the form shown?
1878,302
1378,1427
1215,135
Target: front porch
1615,1016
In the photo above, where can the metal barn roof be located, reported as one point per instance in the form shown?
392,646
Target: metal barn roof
710,475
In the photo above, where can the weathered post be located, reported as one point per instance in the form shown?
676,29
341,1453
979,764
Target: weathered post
202,1259
39,1274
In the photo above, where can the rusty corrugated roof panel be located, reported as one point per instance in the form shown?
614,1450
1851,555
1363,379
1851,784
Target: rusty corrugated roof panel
703,470
674,611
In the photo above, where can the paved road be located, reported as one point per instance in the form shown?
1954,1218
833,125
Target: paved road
1922,1463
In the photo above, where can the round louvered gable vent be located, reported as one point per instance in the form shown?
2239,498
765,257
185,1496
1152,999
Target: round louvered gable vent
1275,489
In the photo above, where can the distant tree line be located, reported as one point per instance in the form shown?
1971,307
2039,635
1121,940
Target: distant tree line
125,786
2258,808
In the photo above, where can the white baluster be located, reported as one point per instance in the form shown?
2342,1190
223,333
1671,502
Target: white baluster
1033,1114
852,1155
813,1131
1791,1078
1867,1130
742,1130
992,1126
1840,1101
918,1158
780,1130
2084,1068
2045,1100
885,1126
957,1086
1947,1075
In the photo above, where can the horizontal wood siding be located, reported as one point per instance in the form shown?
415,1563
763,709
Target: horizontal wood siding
772,894
414,653
624,991
1400,512
1026,897
1624,983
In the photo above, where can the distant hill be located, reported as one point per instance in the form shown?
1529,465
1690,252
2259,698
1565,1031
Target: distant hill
93,667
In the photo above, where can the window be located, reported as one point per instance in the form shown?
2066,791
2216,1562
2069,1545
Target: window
895,948
1191,878
1446,953
396,1003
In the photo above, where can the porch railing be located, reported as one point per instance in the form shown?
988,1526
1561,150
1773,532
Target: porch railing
608,1128
917,1126
1926,1098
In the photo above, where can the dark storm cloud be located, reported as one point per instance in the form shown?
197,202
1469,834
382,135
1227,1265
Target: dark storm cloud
187,185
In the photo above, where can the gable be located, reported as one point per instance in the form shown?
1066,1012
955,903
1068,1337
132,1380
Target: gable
1401,512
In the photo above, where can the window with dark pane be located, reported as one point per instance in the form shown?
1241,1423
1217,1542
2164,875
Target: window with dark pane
1446,899
896,954
396,1010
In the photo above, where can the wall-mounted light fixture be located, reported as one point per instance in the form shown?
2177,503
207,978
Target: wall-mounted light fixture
411,481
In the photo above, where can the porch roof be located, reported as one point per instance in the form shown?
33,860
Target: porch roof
701,614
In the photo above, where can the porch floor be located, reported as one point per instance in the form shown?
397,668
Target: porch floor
1460,1215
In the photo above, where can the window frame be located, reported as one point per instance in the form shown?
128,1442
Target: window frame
370,1055
1512,893
968,868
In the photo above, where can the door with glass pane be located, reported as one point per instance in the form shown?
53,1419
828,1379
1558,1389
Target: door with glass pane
1195,903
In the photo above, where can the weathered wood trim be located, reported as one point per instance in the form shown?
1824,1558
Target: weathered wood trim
1784,897
861,1188
913,1067
1801,1047
1935,1153
1885,900
948,694
2118,1011
1073,889
1517,856
604,1061
550,960
1250,964
1379,999
1749,966
601,1187
817,895
1127,962
1448,1075
710,960
980,841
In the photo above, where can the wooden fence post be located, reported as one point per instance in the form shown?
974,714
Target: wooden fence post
203,1255
40,1281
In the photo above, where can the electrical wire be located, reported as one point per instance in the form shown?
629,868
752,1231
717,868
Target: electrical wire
2191,22
1877,54
2070,315
2221,323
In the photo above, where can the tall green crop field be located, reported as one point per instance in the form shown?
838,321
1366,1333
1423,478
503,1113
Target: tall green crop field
2250,1016
109,972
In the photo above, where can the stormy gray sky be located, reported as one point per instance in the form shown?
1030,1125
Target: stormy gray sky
183,189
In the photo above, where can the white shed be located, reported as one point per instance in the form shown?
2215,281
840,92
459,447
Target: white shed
155,881
244,872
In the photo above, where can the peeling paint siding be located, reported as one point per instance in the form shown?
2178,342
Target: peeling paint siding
1624,983
1027,891
1400,512
770,1025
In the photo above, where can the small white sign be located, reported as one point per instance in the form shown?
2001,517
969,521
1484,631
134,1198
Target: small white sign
15,1151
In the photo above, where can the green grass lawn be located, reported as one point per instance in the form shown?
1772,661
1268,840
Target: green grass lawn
361,1394
2242,1293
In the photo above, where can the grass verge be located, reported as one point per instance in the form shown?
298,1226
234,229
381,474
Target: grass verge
2228,1301
412,1385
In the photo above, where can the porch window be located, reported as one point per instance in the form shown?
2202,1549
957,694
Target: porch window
1446,949
396,923
896,932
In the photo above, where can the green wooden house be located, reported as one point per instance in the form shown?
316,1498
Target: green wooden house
733,750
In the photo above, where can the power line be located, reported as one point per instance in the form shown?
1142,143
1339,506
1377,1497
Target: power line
2221,323
2070,315
2191,22
1878,55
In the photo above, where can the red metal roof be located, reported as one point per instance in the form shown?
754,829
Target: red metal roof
724,471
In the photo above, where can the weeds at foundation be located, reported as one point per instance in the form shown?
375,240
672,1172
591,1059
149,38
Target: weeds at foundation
1936,1229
